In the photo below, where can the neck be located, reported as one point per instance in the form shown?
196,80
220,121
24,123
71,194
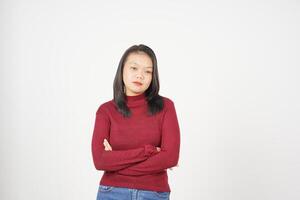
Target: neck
136,100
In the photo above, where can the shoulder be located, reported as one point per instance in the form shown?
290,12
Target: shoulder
104,107
168,102
169,107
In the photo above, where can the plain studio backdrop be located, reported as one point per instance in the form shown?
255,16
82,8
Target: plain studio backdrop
231,68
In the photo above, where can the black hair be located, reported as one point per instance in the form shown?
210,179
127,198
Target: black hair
155,101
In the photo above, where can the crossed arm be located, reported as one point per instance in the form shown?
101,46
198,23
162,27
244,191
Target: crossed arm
140,161
117,159
135,169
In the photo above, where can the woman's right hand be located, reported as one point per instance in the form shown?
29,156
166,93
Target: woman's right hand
158,149
107,146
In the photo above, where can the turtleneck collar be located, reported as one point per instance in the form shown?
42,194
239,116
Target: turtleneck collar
136,100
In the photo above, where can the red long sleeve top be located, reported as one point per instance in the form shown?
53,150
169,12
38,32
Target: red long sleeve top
134,161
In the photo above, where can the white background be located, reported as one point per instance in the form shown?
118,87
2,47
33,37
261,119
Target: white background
231,68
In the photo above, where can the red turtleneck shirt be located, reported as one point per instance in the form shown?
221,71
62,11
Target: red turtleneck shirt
134,161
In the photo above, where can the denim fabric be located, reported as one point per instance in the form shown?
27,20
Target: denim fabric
122,193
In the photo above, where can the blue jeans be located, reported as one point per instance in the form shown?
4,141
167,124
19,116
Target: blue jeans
122,193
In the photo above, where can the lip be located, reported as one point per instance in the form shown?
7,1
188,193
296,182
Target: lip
137,83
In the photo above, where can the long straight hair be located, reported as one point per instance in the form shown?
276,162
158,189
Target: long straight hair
154,100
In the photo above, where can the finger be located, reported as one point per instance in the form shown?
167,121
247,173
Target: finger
107,144
107,148
105,141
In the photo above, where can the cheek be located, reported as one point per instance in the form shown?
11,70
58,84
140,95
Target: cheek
126,76
149,79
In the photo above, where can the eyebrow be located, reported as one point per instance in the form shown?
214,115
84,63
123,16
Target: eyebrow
138,65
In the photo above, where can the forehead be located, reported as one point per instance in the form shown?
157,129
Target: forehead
139,59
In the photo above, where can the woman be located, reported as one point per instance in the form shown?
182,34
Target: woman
136,135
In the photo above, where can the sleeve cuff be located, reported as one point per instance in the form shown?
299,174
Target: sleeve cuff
149,150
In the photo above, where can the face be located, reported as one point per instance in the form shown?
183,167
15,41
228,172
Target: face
137,68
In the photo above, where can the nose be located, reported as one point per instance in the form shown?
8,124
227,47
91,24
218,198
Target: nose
139,76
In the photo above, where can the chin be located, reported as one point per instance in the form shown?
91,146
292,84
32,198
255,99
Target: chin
135,90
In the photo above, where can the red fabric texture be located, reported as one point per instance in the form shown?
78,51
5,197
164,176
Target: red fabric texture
134,161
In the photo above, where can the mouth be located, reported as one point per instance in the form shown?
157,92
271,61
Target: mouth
137,83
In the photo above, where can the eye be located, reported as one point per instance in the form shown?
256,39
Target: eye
134,68
149,72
